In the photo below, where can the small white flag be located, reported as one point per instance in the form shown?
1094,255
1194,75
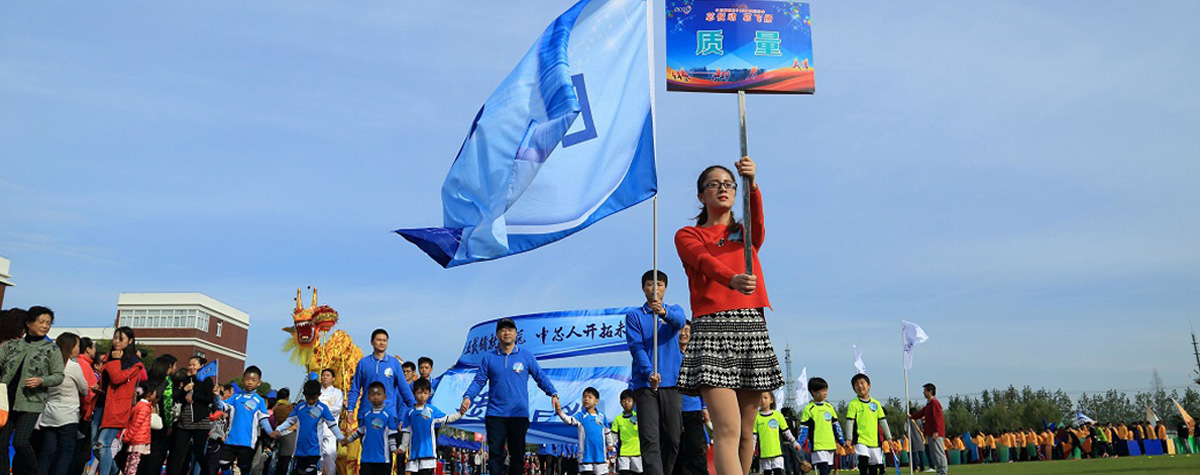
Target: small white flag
1151,416
780,396
1081,419
858,362
913,334
802,396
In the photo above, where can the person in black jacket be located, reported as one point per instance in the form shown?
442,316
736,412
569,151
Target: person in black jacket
191,427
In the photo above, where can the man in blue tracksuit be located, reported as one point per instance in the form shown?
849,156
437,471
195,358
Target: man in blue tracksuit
659,405
506,372
378,366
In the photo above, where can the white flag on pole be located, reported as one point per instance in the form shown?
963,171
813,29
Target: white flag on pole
802,396
858,362
913,335
780,396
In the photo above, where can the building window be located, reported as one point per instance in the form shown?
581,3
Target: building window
219,324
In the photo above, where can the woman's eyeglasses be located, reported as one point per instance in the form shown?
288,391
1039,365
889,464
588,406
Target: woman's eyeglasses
718,185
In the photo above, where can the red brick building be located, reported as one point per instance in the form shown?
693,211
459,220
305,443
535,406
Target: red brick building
188,324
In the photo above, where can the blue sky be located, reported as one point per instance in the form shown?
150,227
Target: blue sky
1017,177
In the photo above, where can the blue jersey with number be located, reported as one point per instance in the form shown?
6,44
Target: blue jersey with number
593,430
421,424
247,413
309,418
376,429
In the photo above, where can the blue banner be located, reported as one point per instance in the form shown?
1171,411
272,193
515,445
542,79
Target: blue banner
730,45
544,426
566,140
553,334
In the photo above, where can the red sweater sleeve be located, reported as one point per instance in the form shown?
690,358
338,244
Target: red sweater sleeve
689,243
118,376
757,229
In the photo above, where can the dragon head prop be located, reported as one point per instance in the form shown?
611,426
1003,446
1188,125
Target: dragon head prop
308,325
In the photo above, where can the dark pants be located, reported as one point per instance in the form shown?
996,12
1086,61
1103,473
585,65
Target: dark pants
508,431
660,425
282,462
83,448
56,443
306,465
244,456
864,469
693,448
183,442
384,468
152,463
19,429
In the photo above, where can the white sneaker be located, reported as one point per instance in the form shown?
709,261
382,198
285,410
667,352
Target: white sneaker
930,470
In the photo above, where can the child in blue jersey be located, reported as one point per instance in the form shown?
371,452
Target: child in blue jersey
378,429
248,413
420,430
594,436
308,416
819,420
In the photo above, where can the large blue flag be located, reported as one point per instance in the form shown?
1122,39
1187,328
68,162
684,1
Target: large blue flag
566,140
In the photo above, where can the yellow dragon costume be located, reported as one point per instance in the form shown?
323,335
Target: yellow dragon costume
312,347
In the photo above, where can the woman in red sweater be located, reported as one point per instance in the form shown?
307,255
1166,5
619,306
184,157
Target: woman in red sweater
730,360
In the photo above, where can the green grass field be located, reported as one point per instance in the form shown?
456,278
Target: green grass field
1158,465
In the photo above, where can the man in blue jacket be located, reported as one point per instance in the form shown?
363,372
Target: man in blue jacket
506,371
378,366
659,406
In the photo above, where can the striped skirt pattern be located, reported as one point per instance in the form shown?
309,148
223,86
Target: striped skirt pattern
730,349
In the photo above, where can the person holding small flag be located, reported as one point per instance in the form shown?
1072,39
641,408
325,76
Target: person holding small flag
195,393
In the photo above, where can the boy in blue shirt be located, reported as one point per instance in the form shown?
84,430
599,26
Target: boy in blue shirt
594,436
378,431
308,416
658,401
420,430
507,371
248,414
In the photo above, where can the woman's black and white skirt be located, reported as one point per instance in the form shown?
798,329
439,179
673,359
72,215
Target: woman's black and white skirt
730,349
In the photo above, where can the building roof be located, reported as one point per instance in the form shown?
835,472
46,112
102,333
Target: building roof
158,299
95,333
4,275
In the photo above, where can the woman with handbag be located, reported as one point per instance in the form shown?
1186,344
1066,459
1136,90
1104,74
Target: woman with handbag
30,366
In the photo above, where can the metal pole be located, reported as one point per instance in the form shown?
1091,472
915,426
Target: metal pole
654,206
747,241
907,424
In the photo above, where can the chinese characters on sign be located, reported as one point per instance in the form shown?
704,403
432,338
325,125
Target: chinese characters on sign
749,45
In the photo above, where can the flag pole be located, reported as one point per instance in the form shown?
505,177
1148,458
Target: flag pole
747,242
654,138
907,421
